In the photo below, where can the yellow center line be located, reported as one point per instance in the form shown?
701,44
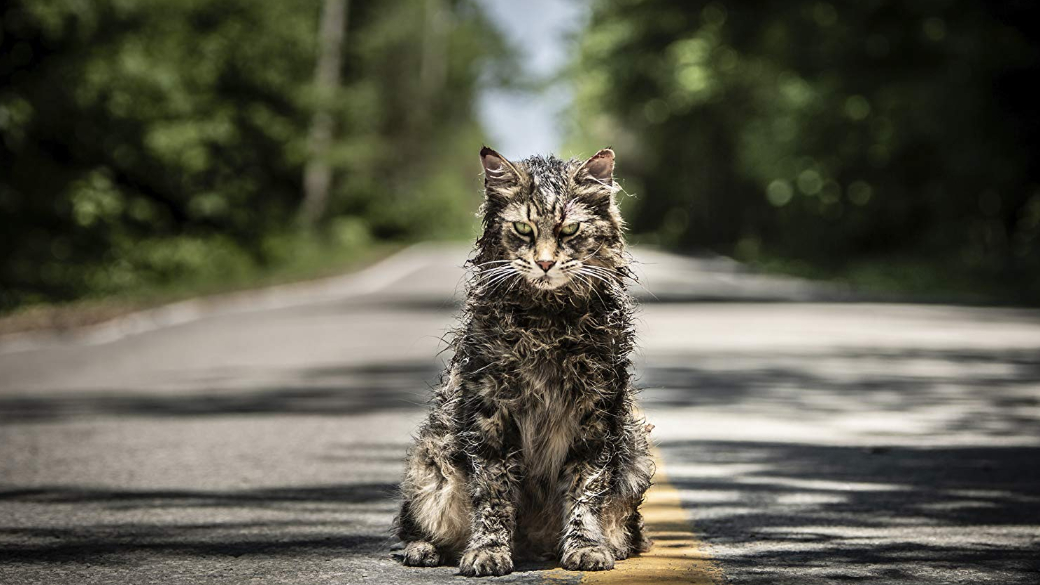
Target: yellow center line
677,555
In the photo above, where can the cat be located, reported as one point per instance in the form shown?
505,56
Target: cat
533,446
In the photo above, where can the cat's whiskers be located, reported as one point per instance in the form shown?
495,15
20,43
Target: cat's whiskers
631,278
601,268
482,264
611,283
489,274
483,285
488,284
499,275
482,271
491,270
592,287
510,287
611,274
485,273
530,272
575,271
497,278
503,280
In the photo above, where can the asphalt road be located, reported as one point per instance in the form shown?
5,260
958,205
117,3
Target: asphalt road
811,439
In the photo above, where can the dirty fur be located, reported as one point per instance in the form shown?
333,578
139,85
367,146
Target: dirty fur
533,447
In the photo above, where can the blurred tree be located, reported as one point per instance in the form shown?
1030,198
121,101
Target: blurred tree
148,141
317,175
836,133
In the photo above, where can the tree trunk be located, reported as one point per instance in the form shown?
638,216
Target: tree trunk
317,175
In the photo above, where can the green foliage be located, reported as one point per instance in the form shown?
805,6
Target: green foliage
155,141
827,133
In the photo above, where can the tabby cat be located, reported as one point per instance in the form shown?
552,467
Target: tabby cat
533,447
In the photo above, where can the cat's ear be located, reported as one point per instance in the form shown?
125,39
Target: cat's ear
594,180
498,172
598,169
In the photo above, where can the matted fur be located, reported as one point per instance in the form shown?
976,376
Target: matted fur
532,447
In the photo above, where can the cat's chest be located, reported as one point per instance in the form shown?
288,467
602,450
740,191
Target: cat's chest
552,348
547,432
553,371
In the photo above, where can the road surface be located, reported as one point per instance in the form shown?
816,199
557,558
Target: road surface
805,438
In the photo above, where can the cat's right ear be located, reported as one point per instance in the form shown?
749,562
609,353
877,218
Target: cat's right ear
498,172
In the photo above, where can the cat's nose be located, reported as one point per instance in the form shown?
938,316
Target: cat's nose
546,264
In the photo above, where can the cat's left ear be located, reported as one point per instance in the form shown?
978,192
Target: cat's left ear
498,170
599,168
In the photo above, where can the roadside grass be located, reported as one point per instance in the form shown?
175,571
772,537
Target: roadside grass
300,258
908,279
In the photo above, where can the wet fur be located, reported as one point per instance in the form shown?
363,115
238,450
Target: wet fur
532,447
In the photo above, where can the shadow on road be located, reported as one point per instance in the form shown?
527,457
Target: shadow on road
300,521
319,391
982,392
782,512
100,546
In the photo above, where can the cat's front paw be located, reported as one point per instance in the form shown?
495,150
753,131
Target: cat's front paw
588,558
420,553
483,562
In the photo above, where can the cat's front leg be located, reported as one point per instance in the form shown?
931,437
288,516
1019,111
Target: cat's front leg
494,488
584,543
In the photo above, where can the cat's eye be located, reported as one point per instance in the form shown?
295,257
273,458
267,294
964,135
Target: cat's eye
522,228
569,229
